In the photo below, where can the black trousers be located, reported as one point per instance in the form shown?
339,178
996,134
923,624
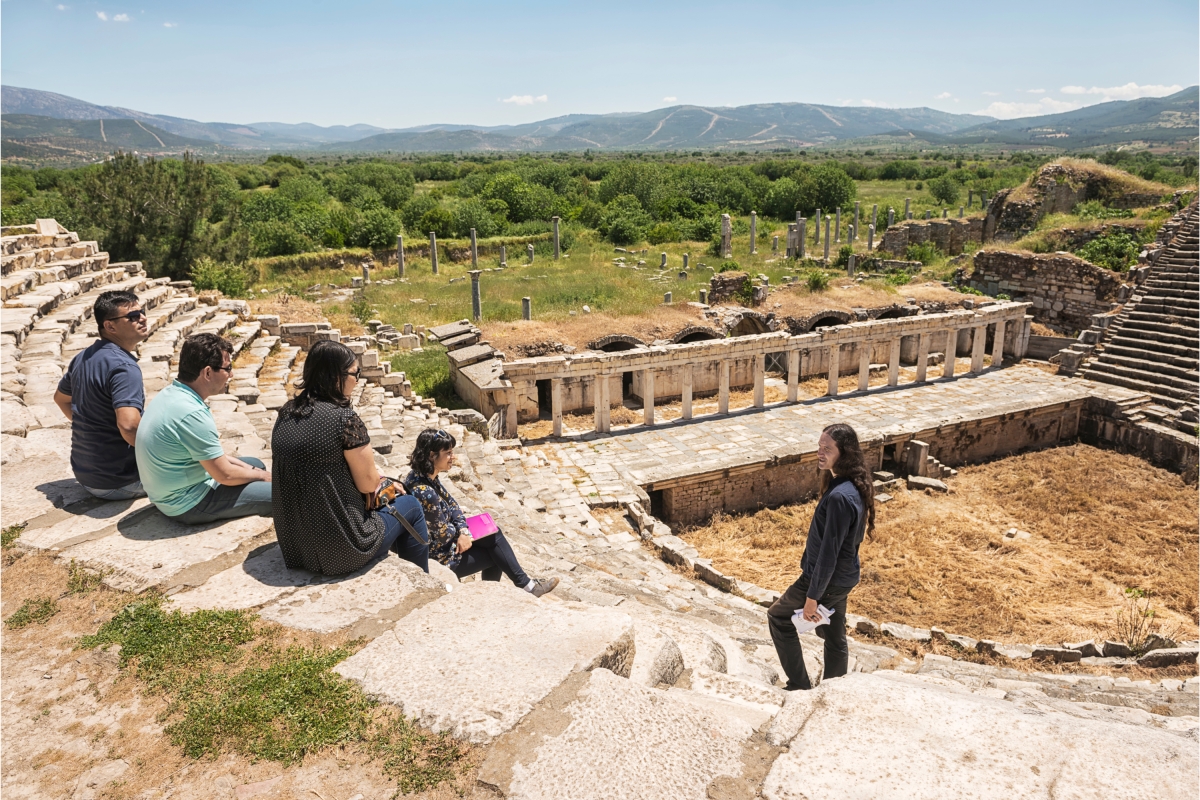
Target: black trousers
787,641
492,556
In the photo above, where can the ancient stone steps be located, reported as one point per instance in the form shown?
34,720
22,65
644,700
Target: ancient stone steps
1148,331
1164,353
1182,369
1143,382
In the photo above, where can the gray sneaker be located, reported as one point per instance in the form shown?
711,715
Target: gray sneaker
543,586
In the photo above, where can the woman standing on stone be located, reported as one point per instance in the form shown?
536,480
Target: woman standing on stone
323,466
450,540
829,568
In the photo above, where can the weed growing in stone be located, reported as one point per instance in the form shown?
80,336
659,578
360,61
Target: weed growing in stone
37,610
81,580
9,536
230,689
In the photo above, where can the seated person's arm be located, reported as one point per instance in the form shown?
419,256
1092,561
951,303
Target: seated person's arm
229,471
128,419
361,461
63,401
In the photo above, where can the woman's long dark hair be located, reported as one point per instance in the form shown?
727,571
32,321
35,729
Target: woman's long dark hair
852,465
327,365
430,442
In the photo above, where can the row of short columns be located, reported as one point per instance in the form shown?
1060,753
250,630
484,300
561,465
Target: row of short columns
949,338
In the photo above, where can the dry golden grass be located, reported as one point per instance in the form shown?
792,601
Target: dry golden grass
844,295
1099,521
1117,181
664,322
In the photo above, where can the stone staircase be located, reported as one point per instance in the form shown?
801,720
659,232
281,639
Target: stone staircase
1151,345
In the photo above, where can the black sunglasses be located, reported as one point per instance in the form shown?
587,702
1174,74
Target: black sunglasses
354,374
132,316
228,369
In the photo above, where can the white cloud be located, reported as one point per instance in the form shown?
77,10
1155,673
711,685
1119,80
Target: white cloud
170,24
103,17
1036,91
991,94
121,18
61,7
669,99
1129,91
943,96
1046,105
525,99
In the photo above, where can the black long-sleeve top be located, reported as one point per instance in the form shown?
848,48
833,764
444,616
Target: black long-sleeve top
831,552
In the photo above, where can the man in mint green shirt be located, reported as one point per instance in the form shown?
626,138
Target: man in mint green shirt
181,462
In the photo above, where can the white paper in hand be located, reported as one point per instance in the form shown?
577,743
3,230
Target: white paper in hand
804,626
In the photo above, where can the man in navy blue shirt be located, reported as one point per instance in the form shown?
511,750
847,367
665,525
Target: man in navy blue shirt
101,393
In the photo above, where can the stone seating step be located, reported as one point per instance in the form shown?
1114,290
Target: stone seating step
966,739
501,649
1169,354
37,476
1166,395
1182,369
1145,320
1150,335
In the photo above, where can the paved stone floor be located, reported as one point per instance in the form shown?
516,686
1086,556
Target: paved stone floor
608,465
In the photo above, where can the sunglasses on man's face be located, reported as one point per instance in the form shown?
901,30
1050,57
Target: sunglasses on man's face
228,369
132,316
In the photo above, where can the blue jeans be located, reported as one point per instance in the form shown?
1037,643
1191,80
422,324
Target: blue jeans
492,556
126,492
231,502
399,540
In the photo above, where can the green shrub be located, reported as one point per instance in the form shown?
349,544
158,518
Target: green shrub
624,220
1094,209
968,290
36,611
925,252
10,535
1115,250
663,233
843,256
945,190
230,280
277,238
898,278
729,266
817,280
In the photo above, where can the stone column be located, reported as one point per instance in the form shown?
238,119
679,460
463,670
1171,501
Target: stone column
827,238
970,197
870,238
510,413
891,217
753,232
529,252
894,363
817,229
556,404
685,260
927,213
503,256
366,268
998,345
944,213
837,228
978,348
793,376
951,353
526,308
686,378
476,301
662,264
400,257
760,372
983,200
855,229
474,250
907,211
554,222
874,214
648,396
960,212
704,296
864,366
726,236
600,403
851,266
667,298
800,234
433,251
834,367
723,389
774,244
922,357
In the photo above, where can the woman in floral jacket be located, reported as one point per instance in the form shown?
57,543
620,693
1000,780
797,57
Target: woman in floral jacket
450,541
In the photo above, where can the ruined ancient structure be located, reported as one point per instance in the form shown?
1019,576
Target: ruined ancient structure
644,643
948,235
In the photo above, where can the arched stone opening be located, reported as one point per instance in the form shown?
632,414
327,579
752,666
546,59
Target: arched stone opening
615,343
695,333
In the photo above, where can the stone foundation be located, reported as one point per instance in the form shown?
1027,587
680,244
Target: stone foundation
948,235
1065,290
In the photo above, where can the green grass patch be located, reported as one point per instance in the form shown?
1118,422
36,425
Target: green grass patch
81,580
231,689
9,536
429,373
36,610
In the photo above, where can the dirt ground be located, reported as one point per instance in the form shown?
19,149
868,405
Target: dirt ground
75,726
1099,522
666,321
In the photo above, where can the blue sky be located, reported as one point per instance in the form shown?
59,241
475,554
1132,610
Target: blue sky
411,63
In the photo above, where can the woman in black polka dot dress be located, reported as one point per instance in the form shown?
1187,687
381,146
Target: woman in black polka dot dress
322,466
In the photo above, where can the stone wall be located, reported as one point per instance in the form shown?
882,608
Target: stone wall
1065,290
948,235
726,285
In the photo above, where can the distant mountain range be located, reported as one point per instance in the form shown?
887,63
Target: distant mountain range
34,120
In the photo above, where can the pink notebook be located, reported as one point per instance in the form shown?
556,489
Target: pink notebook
481,525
